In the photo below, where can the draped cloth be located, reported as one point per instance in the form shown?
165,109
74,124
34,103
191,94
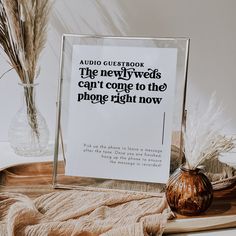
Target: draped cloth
83,213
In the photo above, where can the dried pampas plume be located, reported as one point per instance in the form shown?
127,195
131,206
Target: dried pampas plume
23,26
202,139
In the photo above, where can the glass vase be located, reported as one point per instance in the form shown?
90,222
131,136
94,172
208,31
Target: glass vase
28,132
189,192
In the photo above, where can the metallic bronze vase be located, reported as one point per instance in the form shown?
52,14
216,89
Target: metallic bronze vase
189,192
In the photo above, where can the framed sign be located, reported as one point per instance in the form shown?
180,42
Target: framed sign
120,111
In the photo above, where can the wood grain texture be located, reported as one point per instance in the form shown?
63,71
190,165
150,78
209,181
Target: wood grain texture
221,214
35,180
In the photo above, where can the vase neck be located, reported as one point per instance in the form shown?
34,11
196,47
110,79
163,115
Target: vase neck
28,85
190,171
29,95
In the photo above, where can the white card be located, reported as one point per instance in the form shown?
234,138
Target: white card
121,112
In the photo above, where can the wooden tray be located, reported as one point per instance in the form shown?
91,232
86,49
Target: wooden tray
36,179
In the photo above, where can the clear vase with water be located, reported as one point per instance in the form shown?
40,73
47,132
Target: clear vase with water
28,132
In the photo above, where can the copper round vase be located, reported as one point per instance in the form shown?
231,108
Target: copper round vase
189,192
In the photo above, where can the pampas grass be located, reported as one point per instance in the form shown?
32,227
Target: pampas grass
23,25
202,139
23,30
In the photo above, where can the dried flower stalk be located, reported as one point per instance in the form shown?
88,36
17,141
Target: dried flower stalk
23,30
202,139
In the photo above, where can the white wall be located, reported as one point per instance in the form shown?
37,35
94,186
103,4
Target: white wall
209,23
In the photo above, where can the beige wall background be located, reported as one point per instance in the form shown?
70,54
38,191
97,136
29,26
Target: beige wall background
209,23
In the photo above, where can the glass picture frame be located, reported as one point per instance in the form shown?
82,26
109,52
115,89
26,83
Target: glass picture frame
99,91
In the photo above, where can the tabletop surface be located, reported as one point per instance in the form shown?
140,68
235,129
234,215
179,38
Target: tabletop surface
224,203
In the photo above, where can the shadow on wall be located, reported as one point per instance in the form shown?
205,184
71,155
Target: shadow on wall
209,25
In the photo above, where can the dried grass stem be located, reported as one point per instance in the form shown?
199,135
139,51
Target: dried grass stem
23,31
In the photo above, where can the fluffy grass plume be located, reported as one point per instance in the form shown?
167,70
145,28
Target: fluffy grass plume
23,31
202,139
23,25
